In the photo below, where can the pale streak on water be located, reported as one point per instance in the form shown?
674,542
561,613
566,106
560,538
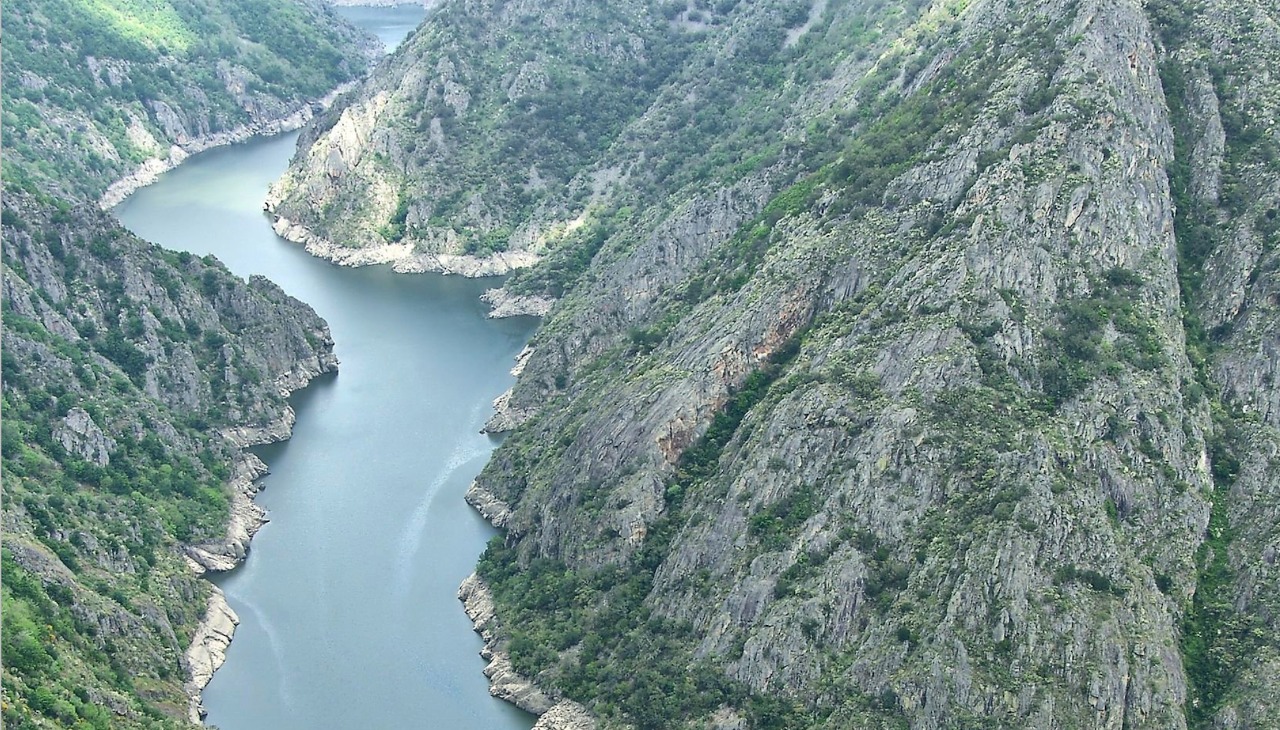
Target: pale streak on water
411,540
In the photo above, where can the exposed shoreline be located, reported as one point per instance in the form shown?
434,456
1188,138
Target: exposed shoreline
216,628
151,170
504,682
403,257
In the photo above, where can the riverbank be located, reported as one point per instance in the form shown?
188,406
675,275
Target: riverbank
403,258
214,633
504,682
370,475
151,170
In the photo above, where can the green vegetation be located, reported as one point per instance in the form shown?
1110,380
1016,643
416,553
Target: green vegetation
1078,350
566,263
393,232
1218,640
633,664
40,632
103,482
775,526
146,56
576,99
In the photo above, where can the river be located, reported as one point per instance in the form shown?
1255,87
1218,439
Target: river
347,601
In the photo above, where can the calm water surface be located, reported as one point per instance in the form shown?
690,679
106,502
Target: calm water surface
390,24
347,602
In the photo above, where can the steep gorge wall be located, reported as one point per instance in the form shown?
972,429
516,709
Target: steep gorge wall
995,480
132,379
909,364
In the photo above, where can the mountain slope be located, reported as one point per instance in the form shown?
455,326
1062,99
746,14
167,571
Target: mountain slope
482,127
94,89
913,368
131,379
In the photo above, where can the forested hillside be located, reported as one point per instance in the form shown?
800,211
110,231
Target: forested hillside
93,88
912,364
133,376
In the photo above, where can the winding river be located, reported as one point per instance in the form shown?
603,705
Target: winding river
347,603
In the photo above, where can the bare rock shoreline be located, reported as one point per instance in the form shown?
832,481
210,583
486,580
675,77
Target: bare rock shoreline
208,649
151,170
404,258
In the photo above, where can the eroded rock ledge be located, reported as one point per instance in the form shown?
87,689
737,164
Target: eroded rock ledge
504,682
497,512
208,649
503,303
507,417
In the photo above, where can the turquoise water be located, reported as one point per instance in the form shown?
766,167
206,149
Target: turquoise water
347,601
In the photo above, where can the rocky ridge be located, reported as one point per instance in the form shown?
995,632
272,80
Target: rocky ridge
936,394
135,99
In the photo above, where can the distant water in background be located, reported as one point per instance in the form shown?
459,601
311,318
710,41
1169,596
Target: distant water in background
347,603
390,24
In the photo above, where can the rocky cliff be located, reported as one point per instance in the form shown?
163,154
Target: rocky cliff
467,152
912,364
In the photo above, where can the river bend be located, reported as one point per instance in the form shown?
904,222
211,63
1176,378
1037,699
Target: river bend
347,601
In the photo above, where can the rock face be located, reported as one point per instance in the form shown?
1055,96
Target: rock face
474,149
184,146
906,367
566,715
208,648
